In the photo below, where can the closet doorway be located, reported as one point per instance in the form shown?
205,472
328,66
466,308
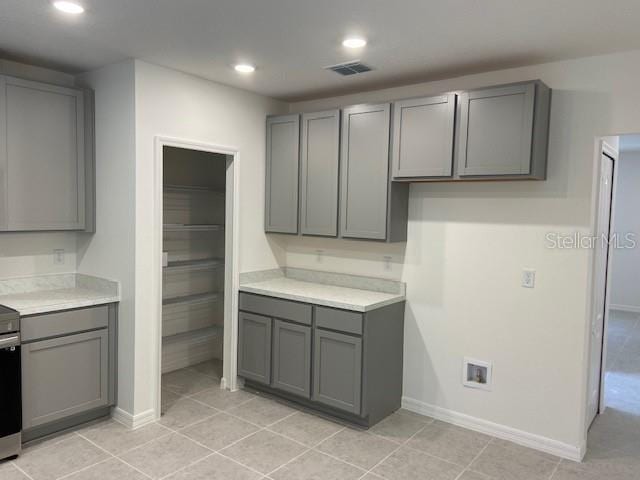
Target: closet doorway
198,277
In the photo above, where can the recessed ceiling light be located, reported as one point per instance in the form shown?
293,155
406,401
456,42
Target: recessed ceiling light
244,68
354,42
69,7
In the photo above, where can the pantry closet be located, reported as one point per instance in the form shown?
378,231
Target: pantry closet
193,260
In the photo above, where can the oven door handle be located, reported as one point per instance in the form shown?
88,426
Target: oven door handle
9,341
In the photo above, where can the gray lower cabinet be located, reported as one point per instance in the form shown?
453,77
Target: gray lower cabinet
68,368
503,132
281,188
254,347
319,173
342,362
371,207
64,376
337,370
46,159
292,358
423,130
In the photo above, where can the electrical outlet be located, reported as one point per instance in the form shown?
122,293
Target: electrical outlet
319,255
528,278
387,262
58,256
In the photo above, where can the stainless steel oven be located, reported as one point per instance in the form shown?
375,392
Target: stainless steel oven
10,384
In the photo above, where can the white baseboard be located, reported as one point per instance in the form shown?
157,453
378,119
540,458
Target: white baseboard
526,439
624,308
133,421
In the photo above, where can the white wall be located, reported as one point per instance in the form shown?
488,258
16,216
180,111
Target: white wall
23,254
175,104
625,269
468,243
110,251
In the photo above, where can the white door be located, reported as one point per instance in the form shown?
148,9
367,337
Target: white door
600,283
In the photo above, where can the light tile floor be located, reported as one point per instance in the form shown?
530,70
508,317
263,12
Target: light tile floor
210,434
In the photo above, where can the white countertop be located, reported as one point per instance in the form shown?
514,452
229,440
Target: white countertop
51,293
321,294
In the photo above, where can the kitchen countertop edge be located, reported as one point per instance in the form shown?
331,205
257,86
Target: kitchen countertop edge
253,288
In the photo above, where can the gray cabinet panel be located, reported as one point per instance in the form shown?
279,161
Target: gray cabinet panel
292,358
4,183
254,347
276,307
496,131
337,370
423,136
64,323
340,320
64,376
319,173
281,202
364,171
45,156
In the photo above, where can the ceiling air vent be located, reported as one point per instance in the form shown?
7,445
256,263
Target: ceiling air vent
350,68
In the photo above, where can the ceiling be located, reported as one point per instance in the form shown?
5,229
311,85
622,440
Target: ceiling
290,41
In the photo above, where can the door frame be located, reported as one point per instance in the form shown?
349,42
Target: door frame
232,276
603,148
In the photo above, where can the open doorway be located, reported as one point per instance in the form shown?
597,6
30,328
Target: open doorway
613,410
196,190
622,360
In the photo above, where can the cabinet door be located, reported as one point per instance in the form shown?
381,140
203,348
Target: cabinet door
496,129
64,376
337,370
281,203
45,156
292,358
423,137
319,173
254,347
364,171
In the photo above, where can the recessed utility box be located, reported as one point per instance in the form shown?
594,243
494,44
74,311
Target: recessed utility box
476,373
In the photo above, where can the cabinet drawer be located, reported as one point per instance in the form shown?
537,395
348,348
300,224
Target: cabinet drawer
64,323
274,307
340,320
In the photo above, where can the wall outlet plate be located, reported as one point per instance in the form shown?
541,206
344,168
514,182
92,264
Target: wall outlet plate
477,373
58,256
528,278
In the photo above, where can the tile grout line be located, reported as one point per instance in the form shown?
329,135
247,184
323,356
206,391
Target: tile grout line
241,464
13,462
555,470
392,452
109,457
309,449
468,467
66,475
209,455
112,455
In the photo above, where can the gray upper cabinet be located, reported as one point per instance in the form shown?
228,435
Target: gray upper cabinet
292,358
503,132
319,173
423,130
254,347
281,189
370,207
45,149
